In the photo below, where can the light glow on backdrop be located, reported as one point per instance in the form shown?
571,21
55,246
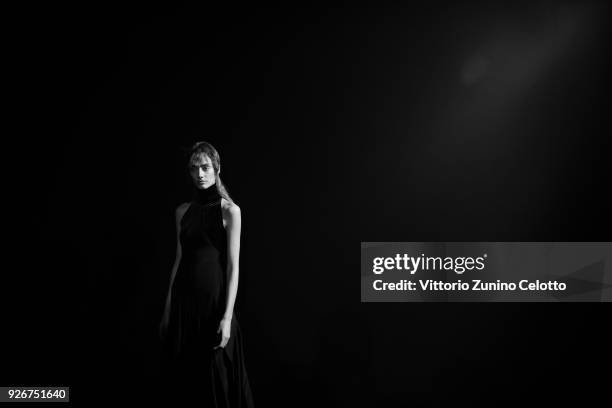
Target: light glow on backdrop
485,113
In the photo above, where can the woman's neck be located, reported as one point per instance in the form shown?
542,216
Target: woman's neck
206,195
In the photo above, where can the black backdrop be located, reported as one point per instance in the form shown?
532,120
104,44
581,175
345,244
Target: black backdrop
335,126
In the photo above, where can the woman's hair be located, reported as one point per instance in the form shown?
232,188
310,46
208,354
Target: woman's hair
194,155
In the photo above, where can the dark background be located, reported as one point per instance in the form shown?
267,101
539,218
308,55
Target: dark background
439,122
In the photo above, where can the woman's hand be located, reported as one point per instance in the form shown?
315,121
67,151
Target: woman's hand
225,328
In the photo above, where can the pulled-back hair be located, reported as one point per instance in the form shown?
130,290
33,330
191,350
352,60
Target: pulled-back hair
194,158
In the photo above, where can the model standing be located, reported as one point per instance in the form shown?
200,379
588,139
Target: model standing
202,338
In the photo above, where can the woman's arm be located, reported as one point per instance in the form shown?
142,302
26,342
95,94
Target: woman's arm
163,325
180,210
233,253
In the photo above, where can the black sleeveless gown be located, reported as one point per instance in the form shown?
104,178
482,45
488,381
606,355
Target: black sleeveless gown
194,370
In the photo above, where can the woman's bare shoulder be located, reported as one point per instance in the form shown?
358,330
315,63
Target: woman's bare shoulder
230,208
180,210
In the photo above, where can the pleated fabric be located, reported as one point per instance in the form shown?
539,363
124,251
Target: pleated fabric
193,371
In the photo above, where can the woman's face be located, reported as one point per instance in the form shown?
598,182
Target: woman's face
203,175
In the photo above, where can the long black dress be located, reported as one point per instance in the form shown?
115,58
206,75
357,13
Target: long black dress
196,371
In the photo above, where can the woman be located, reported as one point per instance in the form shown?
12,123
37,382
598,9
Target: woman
200,332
